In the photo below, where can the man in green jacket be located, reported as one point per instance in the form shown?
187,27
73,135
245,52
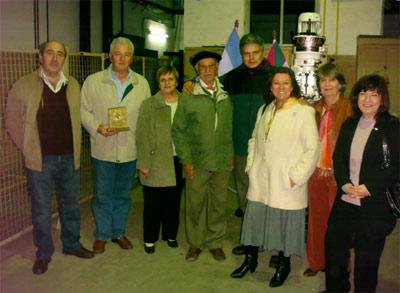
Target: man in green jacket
202,132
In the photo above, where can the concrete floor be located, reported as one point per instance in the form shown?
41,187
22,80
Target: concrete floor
164,271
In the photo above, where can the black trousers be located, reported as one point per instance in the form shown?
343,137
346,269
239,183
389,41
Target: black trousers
345,231
161,209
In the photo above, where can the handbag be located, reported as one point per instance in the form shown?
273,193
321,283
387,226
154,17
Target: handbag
393,191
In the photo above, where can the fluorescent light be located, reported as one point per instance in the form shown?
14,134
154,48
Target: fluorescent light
158,34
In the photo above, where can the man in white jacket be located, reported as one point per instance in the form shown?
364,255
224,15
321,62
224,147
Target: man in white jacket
113,151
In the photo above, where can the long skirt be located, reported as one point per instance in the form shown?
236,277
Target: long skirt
274,229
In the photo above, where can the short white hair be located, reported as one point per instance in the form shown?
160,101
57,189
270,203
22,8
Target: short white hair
121,41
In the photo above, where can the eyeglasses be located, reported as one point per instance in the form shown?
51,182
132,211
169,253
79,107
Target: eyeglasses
207,67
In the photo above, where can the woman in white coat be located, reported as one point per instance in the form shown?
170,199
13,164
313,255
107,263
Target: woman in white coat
282,155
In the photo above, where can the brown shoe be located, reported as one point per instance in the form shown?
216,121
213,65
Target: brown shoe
81,252
123,242
40,266
218,254
310,273
98,246
193,254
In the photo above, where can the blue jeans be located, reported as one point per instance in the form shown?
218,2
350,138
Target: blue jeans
58,172
112,200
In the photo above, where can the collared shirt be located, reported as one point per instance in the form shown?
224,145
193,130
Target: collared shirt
121,86
211,91
61,82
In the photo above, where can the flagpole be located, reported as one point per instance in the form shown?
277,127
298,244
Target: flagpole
281,23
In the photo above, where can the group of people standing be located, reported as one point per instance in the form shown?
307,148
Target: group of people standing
286,156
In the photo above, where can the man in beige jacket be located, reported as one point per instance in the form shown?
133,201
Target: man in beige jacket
113,152
42,118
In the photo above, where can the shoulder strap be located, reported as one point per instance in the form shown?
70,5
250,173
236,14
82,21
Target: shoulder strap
385,148
386,153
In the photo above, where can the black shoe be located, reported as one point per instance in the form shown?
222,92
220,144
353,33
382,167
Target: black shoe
149,249
250,264
281,273
239,213
273,261
40,266
81,252
239,250
172,243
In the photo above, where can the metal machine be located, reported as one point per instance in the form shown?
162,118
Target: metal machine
308,51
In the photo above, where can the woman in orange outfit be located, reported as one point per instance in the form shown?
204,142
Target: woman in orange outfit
331,112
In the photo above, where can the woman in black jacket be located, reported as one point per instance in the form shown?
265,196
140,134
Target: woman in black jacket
361,217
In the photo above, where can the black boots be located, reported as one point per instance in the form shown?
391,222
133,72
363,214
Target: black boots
249,264
282,271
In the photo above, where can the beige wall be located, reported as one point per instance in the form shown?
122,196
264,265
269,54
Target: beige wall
353,17
209,22
17,23
206,22
16,34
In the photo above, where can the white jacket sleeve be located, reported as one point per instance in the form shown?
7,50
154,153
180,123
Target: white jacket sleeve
89,121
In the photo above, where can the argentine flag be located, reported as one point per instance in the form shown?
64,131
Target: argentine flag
231,57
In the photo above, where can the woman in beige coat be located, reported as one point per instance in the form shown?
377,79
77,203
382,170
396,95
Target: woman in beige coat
160,170
283,152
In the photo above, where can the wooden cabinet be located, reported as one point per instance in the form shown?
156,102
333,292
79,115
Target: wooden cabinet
377,54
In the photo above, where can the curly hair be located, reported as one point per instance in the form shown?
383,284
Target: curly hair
296,92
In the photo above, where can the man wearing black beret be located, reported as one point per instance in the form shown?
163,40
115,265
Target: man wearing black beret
246,87
202,132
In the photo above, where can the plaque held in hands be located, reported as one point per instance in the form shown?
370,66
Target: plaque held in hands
117,119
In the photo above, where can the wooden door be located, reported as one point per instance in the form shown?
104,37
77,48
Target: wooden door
376,54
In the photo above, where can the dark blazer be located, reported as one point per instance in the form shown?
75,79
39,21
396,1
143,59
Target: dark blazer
375,217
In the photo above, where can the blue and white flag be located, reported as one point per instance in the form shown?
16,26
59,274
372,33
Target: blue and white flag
231,57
